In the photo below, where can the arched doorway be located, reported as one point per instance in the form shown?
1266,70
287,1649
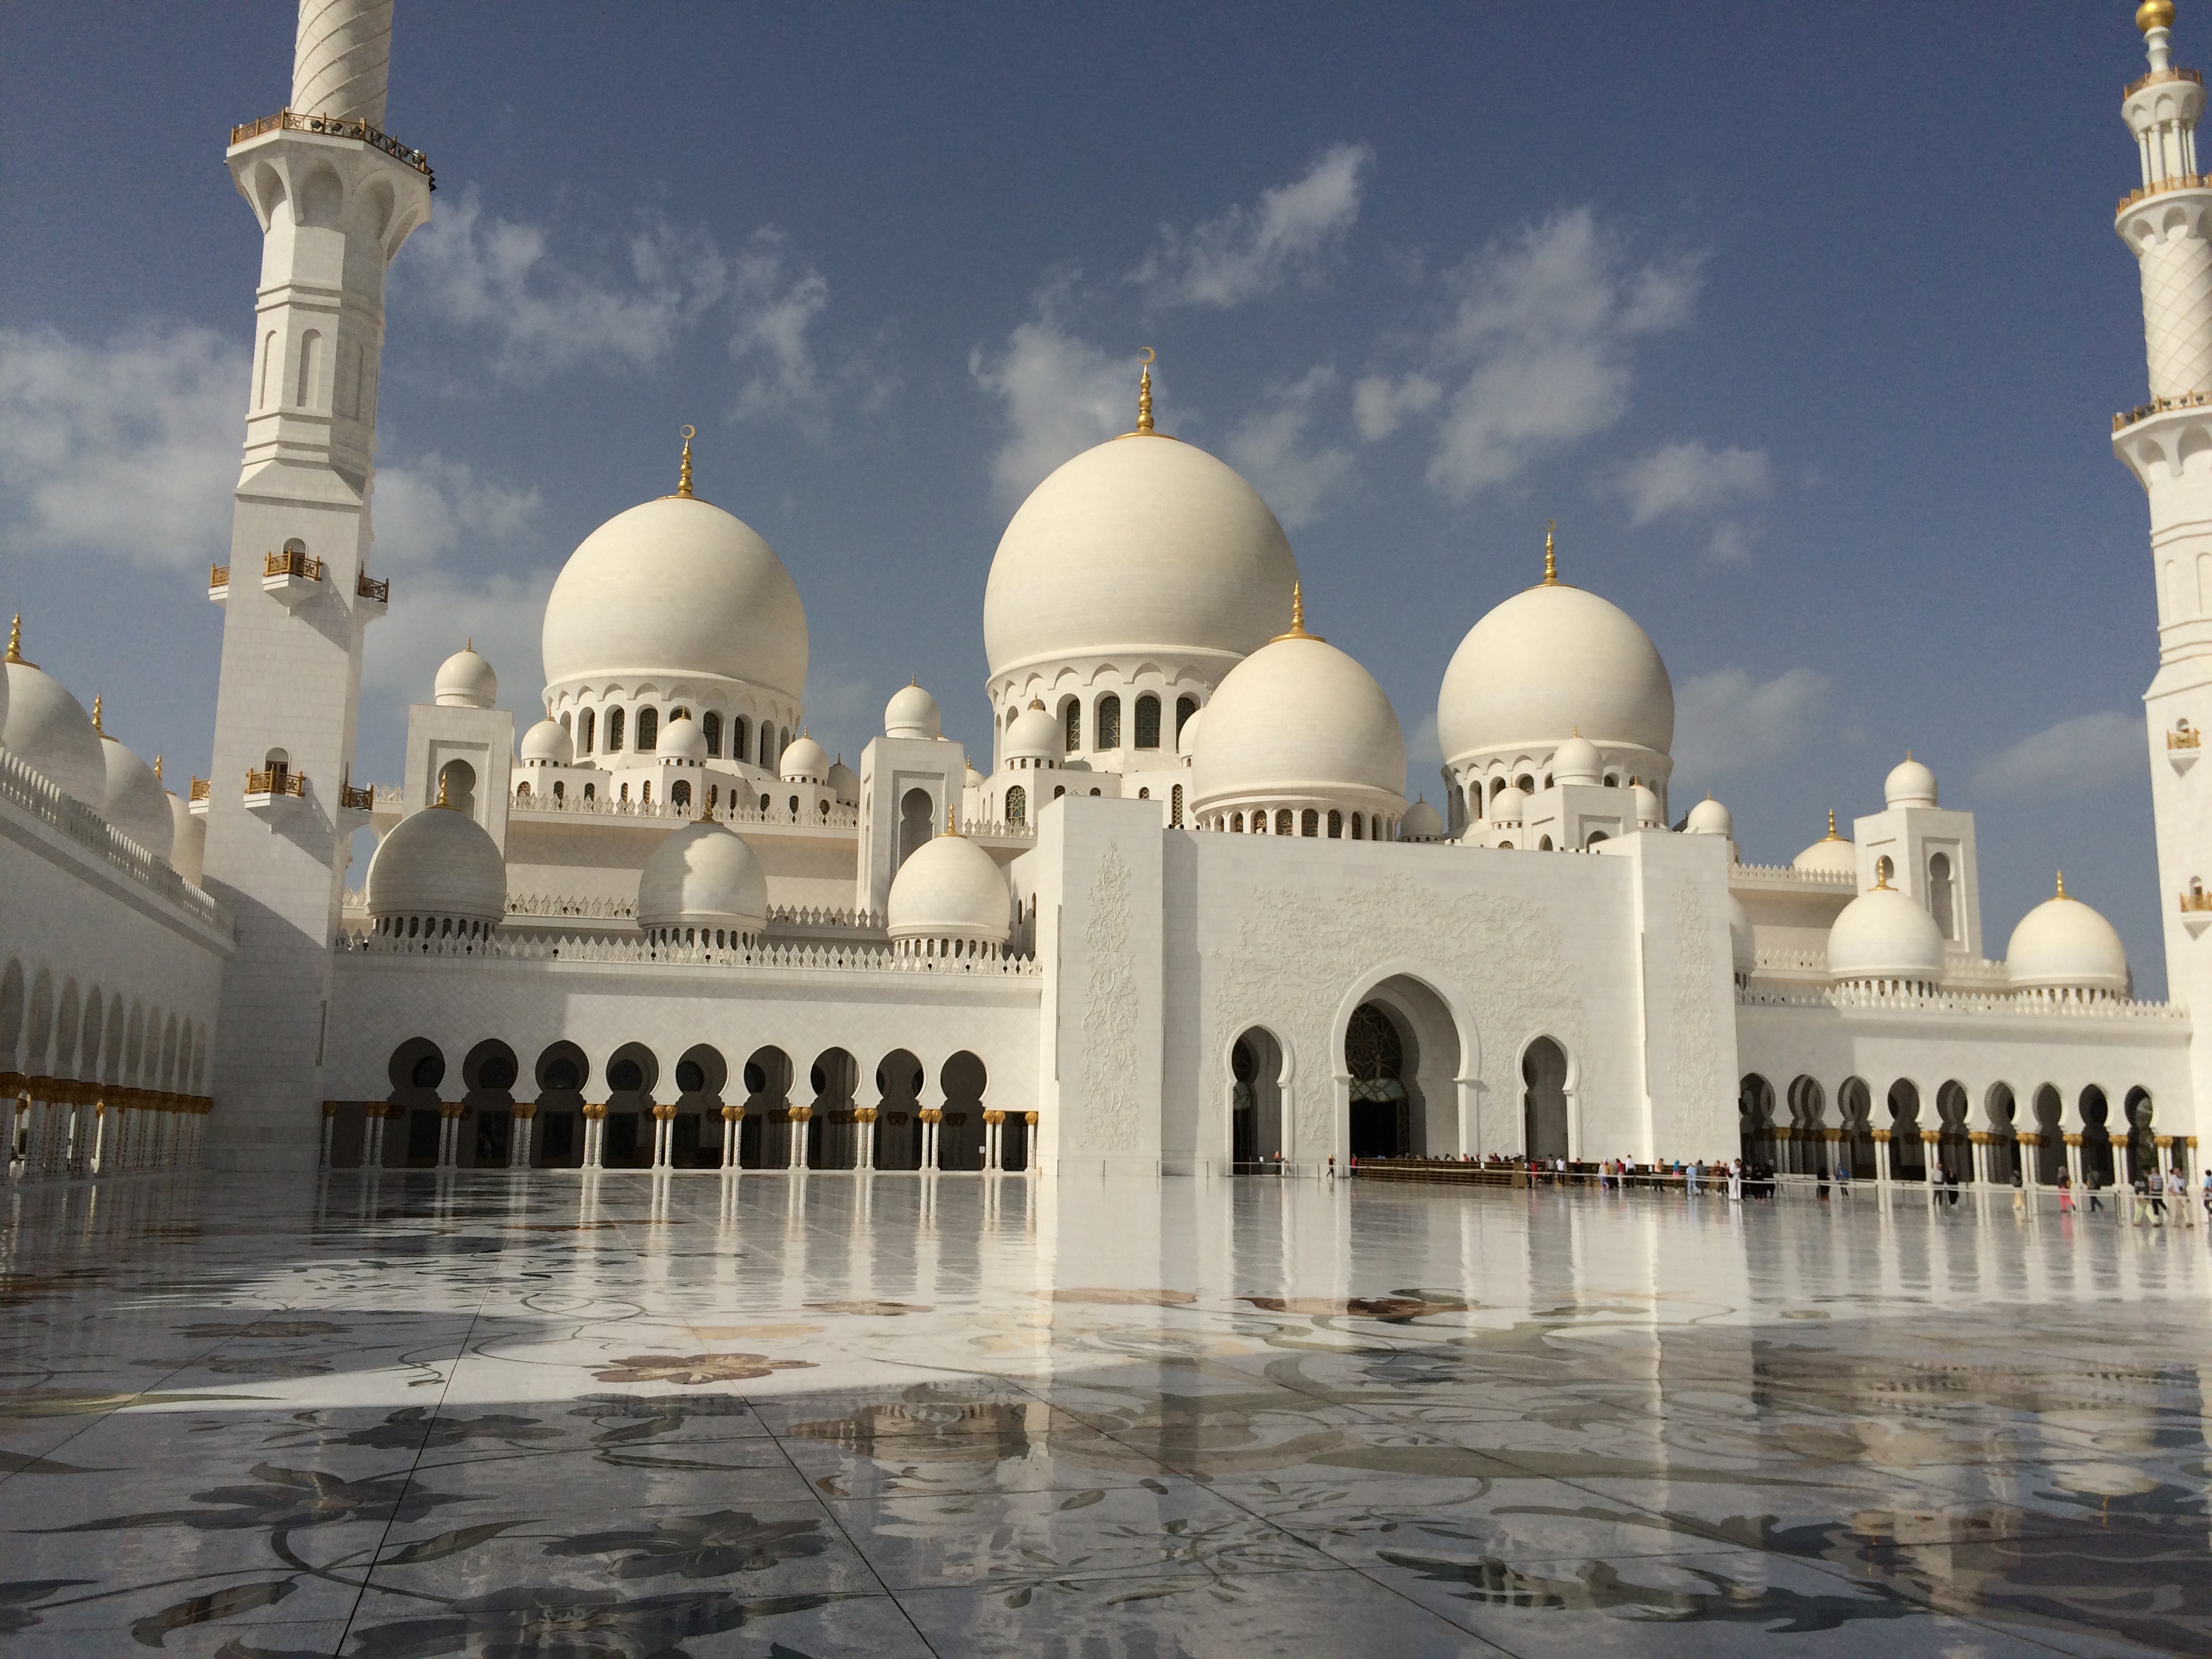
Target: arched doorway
1255,1102
2004,1148
917,822
1375,1055
1544,1099
899,1079
699,1076
490,1072
2143,1139
960,1136
1855,1102
417,1068
2096,1138
632,1071
1401,1054
1954,1150
2051,1133
558,1142
1754,1122
832,1142
1808,1128
765,1140
1907,1162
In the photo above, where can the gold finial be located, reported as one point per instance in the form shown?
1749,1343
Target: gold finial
2061,874
441,800
1037,703
16,641
1551,556
1297,616
157,769
96,726
1147,357
470,644
1832,836
684,469
2155,14
951,819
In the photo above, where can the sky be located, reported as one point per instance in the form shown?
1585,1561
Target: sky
1805,324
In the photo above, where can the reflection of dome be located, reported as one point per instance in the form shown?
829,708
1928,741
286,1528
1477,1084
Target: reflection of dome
1297,721
465,681
440,866
1910,784
912,713
2063,944
49,732
677,586
548,744
1742,950
1422,822
1883,935
804,762
1035,736
1829,855
134,800
703,876
1550,661
845,783
1709,818
1141,544
950,890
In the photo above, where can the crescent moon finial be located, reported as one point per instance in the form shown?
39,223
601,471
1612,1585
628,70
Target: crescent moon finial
684,467
1147,357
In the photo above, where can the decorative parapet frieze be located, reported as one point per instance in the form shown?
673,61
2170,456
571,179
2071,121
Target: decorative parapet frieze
801,957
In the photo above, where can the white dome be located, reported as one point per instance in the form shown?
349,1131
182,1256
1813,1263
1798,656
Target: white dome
548,744
465,681
1909,784
950,887
1141,544
1648,814
1509,805
49,732
804,762
1831,855
187,840
1034,735
703,876
1743,952
1299,720
134,800
683,740
1551,661
1578,761
1422,822
912,713
677,586
1187,739
1882,934
845,783
2063,944
438,862
1709,818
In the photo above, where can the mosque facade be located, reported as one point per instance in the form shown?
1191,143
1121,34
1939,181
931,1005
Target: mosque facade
1180,918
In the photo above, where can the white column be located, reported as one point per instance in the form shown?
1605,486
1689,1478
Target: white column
518,1145
796,1120
661,1136
1030,1142
9,1108
863,1154
734,1122
97,1164
992,1123
330,1130
595,1119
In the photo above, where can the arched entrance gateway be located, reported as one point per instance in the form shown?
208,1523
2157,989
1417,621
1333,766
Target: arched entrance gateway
1256,1101
1401,1061
1544,1104
1375,1055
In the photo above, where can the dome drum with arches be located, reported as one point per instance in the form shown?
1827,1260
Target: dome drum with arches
950,900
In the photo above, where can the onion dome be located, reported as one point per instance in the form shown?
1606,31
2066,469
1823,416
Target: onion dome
681,740
2062,944
1141,545
1578,761
1298,723
844,782
1422,822
1709,818
950,898
1549,661
133,801
1910,784
704,876
1648,813
1186,739
677,587
436,873
1883,935
912,713
465,681
1036,736
48,730
1743,950
1829,855
187,840
804,762
1509,805
548,744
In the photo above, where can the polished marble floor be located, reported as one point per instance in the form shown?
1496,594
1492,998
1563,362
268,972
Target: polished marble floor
606,1416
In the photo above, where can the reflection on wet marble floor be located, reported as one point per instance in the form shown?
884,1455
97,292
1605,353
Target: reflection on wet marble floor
805,1416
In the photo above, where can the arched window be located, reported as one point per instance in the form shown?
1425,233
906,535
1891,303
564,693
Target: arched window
1336,826
794,809
1109,721
764,806
584,722
679,793
1543,845
645,793
1013,713
782,740
1144,794
1594,837
522,788
1148,721
560,792
710,723
1525,784
1282,820
1175,807
1071,716
311,348
1358,827
614,731
591,791
1017,805
625,792
1942,900
1310,823
766,748
268,356
1236,823
648,730
1185,707
1059,790
741,733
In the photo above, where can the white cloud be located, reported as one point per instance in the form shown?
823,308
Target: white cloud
1537,352
128,450
1726,721
2082,753
1270,447
426,508
1731,542
433,612
1062,394
1255,249
1690,480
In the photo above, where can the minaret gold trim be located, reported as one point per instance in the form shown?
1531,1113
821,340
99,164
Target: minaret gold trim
684,466
1298,617
1147,357
1550,557
2155,14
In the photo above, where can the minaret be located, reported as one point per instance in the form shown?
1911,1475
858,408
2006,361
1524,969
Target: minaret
335,197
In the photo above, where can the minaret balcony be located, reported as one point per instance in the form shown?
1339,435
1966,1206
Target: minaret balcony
218,583
267,793
201,790
286,120
370,597
2159,187
293,578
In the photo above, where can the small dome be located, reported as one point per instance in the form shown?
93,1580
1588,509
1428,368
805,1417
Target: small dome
952,888
1648,813
1422,822
49,732
681,740
1743,952
1034,735
187,840
438,862
912,713
845,783
974,780
134,801
804,762
703,876
1578,761
1829,855
465,681
1910,784
1709,818
1509,805
1551,660
2063,944
1882,934
548,744
1187,739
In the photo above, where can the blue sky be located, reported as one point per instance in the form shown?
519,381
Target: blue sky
1805,323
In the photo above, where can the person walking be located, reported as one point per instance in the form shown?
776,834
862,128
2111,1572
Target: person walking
2066,1194
2154,1191
1736,1181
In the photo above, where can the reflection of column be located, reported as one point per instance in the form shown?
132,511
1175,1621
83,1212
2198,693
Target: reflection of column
993,1122
9,1102
664,1136
450,1142
595,1119
97,1163
863,1154
2074,1159
1881,1170
330,1130
526,1125
1029,1145
1470,1120
799,1117
372,1155
1932,1158
733,1123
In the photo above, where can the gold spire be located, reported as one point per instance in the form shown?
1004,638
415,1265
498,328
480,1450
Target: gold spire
1550,557
1297,616
1147,357
951,819
96,726
2155,14
471,644
1831,835
2061,874
16,642
441,800
683,469
1037,703
157,769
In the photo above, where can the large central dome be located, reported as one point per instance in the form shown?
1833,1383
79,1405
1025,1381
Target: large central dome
1143,544
673,587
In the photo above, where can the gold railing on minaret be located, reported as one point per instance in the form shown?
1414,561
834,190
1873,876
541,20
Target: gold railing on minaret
291,121
2159,406
293,564
277,780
